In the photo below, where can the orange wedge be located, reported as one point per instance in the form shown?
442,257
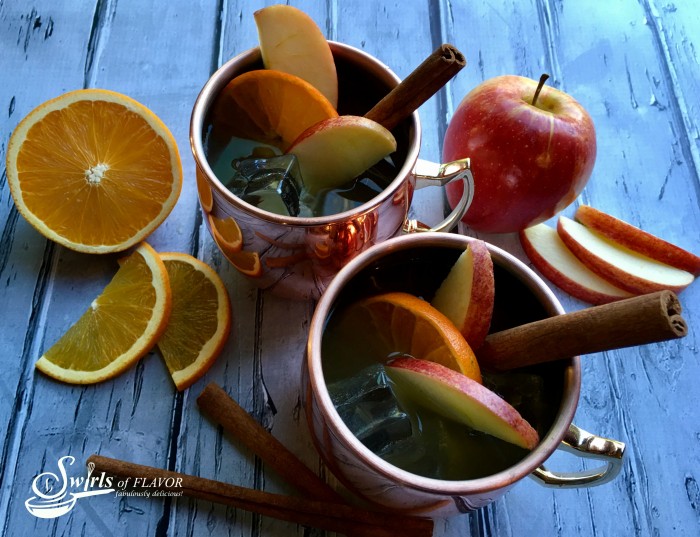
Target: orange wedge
93,170
200,321
412,326
270,106
120,326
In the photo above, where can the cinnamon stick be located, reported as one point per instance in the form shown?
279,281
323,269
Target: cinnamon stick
634,321
236,421
431,75
328,516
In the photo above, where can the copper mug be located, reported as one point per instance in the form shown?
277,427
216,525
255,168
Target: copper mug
526,298
297,257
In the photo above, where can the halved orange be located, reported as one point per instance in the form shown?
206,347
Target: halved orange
270,106
93,170
121,325
200,321
412,326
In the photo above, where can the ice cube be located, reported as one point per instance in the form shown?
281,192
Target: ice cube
367,405
273,184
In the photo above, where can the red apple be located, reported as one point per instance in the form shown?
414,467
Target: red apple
529,160
459,398
638,240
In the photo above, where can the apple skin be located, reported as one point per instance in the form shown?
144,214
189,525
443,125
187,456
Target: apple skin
637,239
290,41
461,399
621,266
554,260
336,150
467,294
529,162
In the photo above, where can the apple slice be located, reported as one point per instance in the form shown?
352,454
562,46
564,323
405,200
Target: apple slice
460,399
290,41
336,150
638,240
466,295
619,265
554,260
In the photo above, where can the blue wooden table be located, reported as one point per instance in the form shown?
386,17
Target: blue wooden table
632,63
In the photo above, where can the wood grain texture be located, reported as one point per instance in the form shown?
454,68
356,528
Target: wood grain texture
632,64
26,260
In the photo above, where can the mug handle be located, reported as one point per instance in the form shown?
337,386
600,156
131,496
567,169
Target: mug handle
433,174
587,445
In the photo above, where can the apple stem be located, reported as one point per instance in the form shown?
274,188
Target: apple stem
543,79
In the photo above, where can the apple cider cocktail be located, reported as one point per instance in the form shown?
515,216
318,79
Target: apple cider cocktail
289,136
409,424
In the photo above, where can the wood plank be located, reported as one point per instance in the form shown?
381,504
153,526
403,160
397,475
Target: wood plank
651,170
132,416
39,39
642,170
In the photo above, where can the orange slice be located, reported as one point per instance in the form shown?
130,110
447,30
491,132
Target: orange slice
200,321
120,326
93,170
412,326
270,106
227,233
